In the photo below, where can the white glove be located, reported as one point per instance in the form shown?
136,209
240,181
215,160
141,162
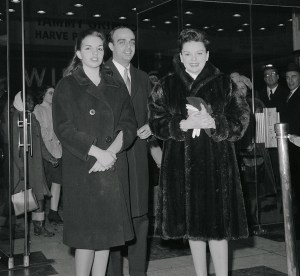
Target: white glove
196,131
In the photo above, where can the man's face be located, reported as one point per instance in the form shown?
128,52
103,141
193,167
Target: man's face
271,77
123,46
292,79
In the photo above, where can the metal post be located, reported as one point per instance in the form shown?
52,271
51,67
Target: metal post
284,167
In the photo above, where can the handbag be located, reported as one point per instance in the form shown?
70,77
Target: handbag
18,200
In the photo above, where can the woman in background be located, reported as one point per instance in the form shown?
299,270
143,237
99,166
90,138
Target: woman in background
43,113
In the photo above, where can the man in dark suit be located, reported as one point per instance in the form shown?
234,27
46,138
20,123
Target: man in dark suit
122,45
274,95
291,115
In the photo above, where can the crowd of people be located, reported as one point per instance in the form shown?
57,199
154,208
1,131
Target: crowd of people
94,132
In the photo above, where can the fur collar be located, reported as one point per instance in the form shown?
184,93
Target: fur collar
208,73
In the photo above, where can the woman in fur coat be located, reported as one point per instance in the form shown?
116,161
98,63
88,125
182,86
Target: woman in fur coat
198,117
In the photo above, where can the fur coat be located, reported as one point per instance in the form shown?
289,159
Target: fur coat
200,194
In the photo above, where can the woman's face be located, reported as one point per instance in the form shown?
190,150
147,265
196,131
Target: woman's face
242,87
49,95
194,56
234,77
91,51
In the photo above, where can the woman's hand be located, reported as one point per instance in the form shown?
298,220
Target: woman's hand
105,158
197,120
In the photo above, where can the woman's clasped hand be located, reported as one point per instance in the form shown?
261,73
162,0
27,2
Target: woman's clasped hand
105,159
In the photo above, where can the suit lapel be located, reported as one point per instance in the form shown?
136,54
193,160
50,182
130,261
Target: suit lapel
134,81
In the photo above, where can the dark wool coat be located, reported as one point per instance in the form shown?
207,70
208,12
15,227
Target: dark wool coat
200,192
137,153
96,213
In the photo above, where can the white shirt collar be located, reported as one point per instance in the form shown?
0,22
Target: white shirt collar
121,68
273,89
194,76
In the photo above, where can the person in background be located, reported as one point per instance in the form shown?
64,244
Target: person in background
200,195
43,113
36,175
94,120
291,115
122,45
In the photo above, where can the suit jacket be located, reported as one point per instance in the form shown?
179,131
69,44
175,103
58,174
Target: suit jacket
291,113
137,154
278,99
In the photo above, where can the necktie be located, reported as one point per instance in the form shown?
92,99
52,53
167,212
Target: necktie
289,96
271,94
127,80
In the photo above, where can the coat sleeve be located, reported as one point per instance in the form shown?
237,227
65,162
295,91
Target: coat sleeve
232,123
127,124
163,123
75,141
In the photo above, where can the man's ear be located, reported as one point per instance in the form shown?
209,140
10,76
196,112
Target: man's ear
111,46
78,54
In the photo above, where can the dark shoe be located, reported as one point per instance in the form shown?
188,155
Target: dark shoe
54,217
39,229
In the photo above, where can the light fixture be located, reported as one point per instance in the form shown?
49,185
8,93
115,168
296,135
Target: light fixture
240,30
220,30
188,24
153,26
175,16
15,1
69,13
133,9
97,15
236,15
188,13
122,17
246,24
291,19
11,10
280,25
41,12
262,29
168,22
146,19
78,5
205,27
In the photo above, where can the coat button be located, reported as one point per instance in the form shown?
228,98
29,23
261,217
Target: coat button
92,112
108,139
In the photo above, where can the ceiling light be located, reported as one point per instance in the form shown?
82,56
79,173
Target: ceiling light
70,13
133,9
240,30
146,20
122,18
153,26
188,24
11,10
175,16
236,15
280,25
262,28
41,12
205,27
220,30
97,15
78,5
291,19
246,24
168,22
188,12
15,1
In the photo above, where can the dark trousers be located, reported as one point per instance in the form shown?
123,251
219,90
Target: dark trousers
137,251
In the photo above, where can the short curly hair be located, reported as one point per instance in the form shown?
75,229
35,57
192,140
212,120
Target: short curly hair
187,35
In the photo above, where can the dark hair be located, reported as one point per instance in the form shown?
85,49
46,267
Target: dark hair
42,92
187,35
111,33
76,62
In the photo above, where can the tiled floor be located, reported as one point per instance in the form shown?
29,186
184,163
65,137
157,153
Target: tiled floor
253,256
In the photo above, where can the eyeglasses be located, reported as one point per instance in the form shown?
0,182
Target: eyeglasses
271,74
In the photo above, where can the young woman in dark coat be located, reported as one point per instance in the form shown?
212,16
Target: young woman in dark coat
200,191
94,120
